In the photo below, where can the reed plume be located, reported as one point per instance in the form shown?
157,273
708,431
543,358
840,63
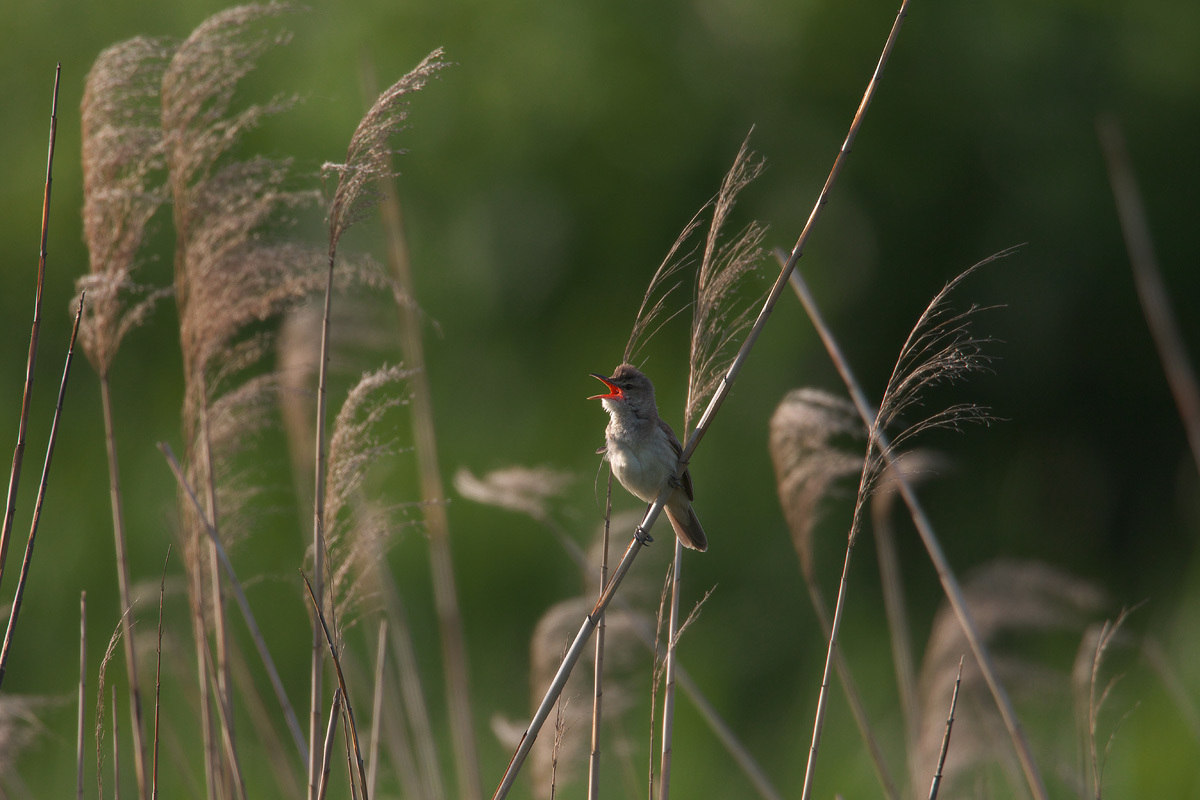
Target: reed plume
230,273
721,314
357,535
368,159
123,188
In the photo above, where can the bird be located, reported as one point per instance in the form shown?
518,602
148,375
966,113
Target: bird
645,453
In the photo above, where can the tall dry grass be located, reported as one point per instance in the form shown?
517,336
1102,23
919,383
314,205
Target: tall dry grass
240,272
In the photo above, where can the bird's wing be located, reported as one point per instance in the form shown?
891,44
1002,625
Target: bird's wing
685,480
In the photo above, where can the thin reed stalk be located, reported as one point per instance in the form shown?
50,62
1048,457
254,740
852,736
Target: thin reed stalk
941,762
471,487
413,694
656,673
14,477
946,575
668,727
82,694
41,499
337,666
232,763
598,671
116,737
349,758
335,711
433,506
377,705
1152,293
162,588
101,685
243,603
222,679
123,584
894,604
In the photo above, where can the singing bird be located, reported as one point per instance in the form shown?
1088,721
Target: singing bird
644,452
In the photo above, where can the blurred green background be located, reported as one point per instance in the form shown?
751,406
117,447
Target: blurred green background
547,173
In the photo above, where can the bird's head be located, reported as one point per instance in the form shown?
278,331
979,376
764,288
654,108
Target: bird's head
629,391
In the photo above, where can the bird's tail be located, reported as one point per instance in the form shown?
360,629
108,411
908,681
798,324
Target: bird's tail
687,526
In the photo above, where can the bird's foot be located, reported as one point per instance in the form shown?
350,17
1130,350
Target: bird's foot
642,535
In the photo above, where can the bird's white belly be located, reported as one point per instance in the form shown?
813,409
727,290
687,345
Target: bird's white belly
643,471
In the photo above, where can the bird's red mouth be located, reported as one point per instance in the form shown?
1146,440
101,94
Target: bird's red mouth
615,391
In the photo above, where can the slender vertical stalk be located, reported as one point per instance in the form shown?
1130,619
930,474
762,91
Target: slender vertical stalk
598,693
327,750
377,706
664,769
200,641
1155,301
317,662
14,478
236,784
23,579
162,588
454,650
116,737
123,588
82,693
224,684
897,617
941,762
351,725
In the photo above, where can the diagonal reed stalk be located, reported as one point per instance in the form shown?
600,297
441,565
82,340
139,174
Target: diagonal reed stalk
941,762
475,489
341,679
598,669
946,575
14,478
41,499
1156,304
240,595
718,398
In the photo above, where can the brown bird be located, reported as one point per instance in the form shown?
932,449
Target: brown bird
644,452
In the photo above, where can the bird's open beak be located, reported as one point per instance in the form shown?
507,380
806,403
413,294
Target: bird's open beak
614,394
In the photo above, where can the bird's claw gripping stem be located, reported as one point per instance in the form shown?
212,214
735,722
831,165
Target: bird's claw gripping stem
642,535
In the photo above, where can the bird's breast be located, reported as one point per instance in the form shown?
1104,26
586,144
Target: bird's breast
641,463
